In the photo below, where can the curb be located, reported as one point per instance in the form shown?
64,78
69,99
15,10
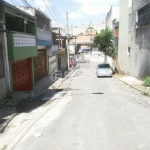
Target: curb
66,77
130,85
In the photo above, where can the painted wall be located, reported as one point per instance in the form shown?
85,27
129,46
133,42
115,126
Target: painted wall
22,49
44,38
140,48
123,57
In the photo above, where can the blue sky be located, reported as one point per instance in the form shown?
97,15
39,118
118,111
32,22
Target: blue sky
80,11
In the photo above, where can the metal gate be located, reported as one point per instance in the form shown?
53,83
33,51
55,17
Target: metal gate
40,65
21,75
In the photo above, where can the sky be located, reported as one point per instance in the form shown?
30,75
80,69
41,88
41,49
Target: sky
79,11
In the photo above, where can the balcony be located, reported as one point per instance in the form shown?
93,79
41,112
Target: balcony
21,45
43,38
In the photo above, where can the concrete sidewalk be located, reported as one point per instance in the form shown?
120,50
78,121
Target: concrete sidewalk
135,83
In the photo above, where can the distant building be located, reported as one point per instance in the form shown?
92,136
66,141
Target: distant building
124,36
111,15
112,22
82,29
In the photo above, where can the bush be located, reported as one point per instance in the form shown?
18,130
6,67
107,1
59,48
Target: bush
147,82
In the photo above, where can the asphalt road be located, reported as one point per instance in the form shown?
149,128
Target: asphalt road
92,114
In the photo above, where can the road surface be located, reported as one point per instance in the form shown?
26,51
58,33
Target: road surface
92,114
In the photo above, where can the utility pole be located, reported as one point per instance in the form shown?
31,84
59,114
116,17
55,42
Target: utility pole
59,39
68,56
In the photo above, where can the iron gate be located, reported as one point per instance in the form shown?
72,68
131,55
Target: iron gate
21,75
40,65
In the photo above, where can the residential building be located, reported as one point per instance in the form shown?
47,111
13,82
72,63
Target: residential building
111,15
125,36
42,61
60,39
82,29
18,38
116,33
112,23
140,48
44,44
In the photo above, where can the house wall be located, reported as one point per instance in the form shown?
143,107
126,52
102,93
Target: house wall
140,48
123,57
112,15
3,90
53,63
21,46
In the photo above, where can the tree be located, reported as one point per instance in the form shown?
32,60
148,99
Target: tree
104,41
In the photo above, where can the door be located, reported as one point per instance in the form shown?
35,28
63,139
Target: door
40,65
21,75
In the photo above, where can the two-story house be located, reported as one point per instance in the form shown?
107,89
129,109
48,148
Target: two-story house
18,44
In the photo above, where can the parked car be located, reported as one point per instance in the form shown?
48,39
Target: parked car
103,69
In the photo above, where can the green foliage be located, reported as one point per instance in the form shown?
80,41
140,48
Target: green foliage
104,41
147,82
90,28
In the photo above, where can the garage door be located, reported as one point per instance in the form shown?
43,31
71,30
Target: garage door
21,75
40,65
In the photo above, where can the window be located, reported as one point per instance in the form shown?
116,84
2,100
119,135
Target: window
130,3
143,16
128,51
103,66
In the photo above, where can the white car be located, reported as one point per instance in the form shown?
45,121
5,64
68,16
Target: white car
104,69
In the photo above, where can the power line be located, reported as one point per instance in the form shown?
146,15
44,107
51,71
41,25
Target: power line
57,12
12,2
51,13
25,1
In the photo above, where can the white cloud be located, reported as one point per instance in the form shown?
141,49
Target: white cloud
42,5
93,10
89,2
74,15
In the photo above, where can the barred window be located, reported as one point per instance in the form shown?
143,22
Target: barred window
144,15
1,62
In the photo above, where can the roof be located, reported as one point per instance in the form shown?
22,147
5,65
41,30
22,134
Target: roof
8,8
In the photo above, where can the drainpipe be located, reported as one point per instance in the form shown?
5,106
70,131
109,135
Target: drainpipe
25,26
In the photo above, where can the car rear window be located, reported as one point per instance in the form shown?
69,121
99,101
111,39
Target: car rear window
103,66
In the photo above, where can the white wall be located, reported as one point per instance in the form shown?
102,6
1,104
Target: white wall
72,49
53,63
53,50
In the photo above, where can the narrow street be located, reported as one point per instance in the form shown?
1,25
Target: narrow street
93,114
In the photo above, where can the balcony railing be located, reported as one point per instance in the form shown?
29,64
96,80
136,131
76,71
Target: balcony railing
23,40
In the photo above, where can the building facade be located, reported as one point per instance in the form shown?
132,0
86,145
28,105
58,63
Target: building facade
125,35
111,22
140,48
20,44
82,29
